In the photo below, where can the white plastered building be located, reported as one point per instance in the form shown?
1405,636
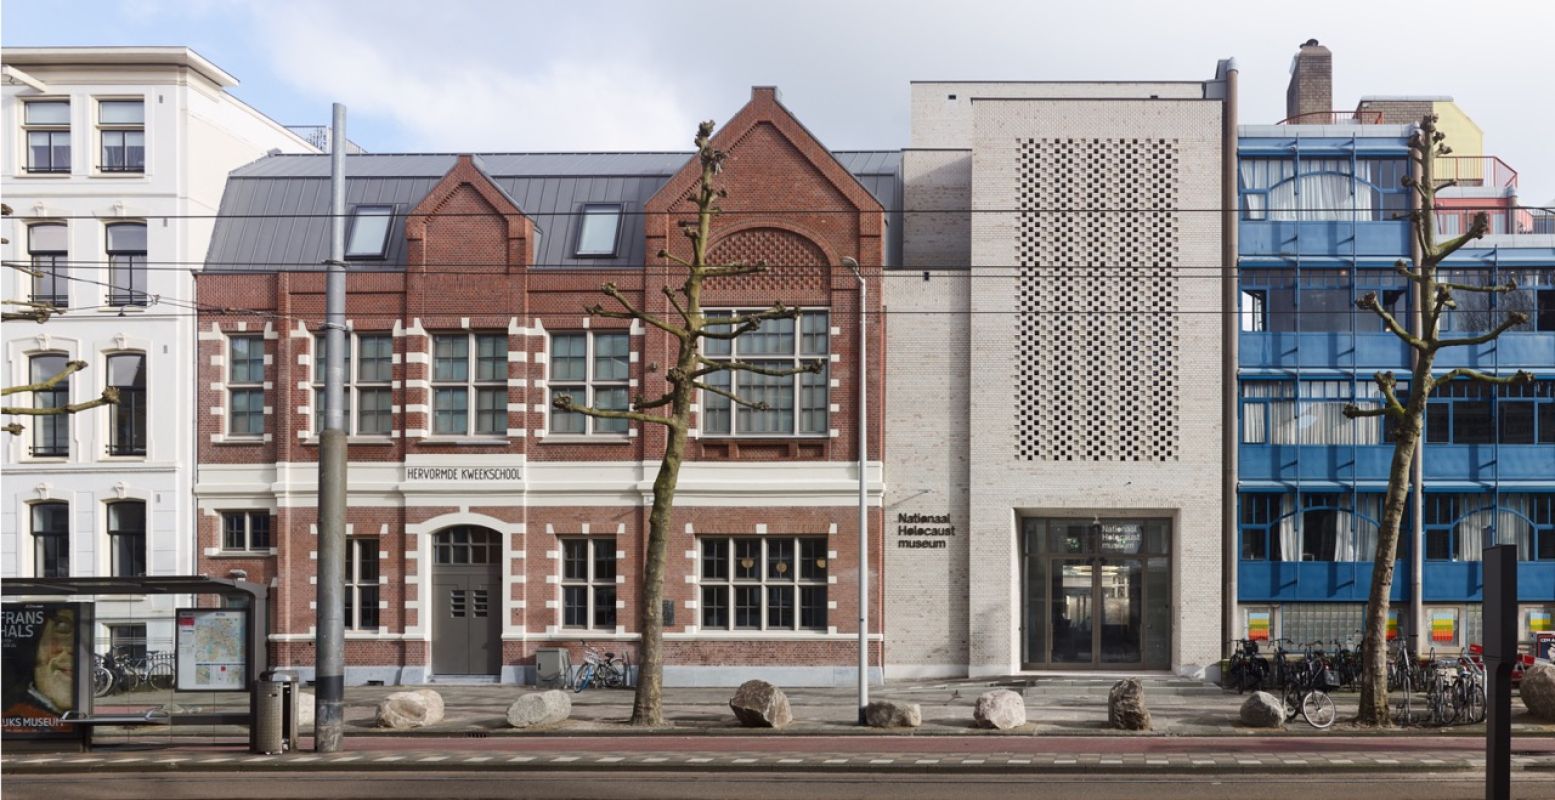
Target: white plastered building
114,161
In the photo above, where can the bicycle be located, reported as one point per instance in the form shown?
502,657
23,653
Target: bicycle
1247,669
1307,694
604,669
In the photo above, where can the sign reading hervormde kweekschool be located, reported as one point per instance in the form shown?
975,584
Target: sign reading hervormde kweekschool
924,531
464,473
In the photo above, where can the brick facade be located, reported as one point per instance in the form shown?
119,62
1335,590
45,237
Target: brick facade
468,253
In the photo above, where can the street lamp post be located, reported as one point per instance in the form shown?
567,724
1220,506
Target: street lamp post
863,489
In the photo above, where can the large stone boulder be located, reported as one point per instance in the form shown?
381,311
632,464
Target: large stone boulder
540,708
891,714
405,710
1001,709
758,704
1126,706
1263,710
1538,690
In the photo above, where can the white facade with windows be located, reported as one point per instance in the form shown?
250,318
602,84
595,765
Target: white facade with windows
113,161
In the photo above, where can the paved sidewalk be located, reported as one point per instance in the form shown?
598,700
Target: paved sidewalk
1056,706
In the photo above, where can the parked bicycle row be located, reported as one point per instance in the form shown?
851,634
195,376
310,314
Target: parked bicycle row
120,670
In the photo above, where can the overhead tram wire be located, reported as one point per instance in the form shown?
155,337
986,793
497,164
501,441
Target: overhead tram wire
464,268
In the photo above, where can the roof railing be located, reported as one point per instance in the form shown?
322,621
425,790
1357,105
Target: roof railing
1334,118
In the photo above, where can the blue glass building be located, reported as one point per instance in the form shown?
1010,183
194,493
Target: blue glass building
1320,227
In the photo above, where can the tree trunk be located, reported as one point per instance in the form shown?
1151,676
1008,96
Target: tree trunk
1374,647
647,704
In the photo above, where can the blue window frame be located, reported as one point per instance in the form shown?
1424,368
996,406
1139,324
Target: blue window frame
1459,526
1319,299
1310,526
1322,189
1477,312
1470,412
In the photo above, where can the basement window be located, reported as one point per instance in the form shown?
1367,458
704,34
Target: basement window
599,231
369,236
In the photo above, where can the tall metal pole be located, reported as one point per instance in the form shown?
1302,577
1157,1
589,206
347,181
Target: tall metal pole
863,489
1500,631
1230,332
329,665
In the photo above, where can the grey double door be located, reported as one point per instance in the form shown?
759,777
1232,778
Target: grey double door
467,597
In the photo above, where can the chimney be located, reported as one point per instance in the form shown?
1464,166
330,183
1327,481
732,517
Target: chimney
1311,87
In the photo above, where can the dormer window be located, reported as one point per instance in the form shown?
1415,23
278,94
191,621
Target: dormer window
369,232
601,229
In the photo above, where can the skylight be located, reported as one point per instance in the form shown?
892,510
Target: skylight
599,231
369,232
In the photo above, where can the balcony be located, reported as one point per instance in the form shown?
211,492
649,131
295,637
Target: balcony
1273,581
1343,463
1486,171
1516,221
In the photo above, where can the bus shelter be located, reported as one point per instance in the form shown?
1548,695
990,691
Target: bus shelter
54,669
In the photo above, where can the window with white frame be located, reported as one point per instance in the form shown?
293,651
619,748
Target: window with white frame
50,432
51,540
246,385
127,431
589,583
127,264
369,367
763,583
362,584
795,405
121,125
127,538
48,248
245,531
469,384
47,124
593,368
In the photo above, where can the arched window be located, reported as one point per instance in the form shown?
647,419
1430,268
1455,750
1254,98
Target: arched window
50,433
48,246
51,540
127,373
1458,527
127,538
127,264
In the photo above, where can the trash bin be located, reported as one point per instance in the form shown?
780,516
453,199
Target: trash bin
553,667
275,712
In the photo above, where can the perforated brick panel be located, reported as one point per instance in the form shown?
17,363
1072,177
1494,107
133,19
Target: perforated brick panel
1097,240
793,261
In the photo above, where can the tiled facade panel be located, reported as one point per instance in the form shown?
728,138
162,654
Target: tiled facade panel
1097,254
1005,486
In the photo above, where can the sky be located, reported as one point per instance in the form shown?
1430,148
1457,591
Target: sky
508,75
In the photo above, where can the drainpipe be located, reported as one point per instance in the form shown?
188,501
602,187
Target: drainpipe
1230,327
863,489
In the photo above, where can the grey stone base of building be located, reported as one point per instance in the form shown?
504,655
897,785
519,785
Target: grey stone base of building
699,676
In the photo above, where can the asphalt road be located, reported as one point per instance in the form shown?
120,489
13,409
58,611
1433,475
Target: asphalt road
756,786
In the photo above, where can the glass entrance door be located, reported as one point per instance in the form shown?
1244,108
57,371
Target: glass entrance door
1096,593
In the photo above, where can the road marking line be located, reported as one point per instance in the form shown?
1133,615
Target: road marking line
476,759
303,759
1340,761
433,758
882,761
608,759
520,759
1019,761
1203,762
698,760
927,761
1385,760
1112,761
1296,761
563,759
790,761
972,761
835,761
339,759
1157,761
1249,762
744,761
41,760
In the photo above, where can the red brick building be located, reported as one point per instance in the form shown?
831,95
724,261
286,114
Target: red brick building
484,525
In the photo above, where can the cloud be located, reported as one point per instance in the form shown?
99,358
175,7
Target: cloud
444,97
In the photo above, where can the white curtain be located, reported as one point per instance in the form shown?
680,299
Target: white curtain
1316,417
1507,523
1367,518
1289,529
1325,189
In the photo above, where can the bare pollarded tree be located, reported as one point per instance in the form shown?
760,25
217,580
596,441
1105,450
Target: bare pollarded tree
672,408
40,313
1407,416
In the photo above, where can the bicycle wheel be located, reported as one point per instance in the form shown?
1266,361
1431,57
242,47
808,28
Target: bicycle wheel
102,681
1473,706
585,677
1292,703
1319,709
160,676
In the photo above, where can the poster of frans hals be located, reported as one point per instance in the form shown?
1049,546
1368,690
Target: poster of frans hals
38,658
212,649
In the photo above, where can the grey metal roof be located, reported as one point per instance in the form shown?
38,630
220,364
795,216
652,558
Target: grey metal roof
274,212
